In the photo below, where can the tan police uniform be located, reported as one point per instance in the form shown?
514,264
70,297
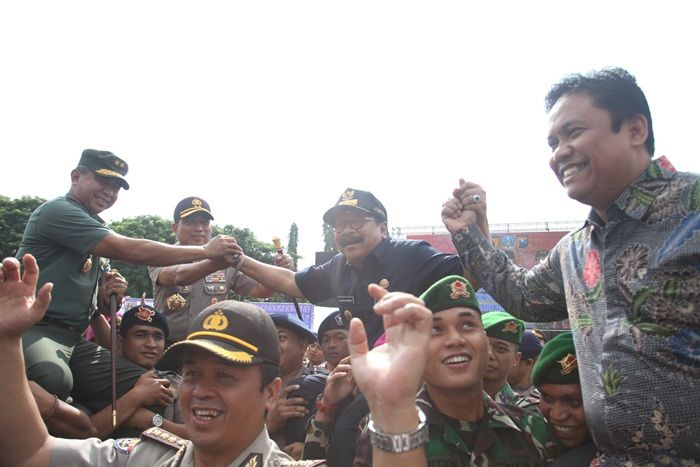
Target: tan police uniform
159,448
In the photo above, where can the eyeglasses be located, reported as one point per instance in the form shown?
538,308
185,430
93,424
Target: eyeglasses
356,223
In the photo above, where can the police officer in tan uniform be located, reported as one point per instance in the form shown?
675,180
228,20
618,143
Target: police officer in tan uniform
230,367
183,290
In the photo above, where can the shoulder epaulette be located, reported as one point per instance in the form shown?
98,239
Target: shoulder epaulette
317,463
163,437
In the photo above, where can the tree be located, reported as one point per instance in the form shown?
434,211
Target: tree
328,238
293,242
14,214
149,227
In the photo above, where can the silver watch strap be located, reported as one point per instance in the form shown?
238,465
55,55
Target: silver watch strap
401,442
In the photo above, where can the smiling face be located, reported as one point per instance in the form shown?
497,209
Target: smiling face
458,351
357,244
143,345
95,193
562,406
222,404
594,163
194,229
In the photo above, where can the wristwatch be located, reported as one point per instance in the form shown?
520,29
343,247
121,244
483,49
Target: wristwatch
401,442
157,420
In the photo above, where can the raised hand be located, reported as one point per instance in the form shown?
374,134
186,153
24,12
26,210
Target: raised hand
20,307
339,383
389,375
284,409
466,206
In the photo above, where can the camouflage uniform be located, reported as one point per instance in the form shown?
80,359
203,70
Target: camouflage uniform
507,396
505,436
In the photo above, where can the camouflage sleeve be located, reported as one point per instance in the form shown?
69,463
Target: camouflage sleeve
318,439
544,440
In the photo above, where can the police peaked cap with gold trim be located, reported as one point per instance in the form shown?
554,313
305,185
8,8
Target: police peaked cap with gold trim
191,205
239,332
336,320
143,315
557,363
356,199
502,325
450,292
105,164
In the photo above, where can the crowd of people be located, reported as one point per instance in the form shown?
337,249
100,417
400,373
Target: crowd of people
408,371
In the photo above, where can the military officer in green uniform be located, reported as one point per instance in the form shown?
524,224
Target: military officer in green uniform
230,367
69,239
504,333
452,422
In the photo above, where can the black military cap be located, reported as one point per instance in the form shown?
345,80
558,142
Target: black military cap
239,332
191,205
105,164
336,320
356,199
294,324
143,315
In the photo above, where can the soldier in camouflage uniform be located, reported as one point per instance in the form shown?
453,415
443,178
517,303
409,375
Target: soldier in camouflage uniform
230,364
504,333
464,425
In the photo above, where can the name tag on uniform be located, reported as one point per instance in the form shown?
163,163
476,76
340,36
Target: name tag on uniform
346,300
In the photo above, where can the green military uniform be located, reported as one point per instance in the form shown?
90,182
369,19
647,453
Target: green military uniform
505,436
509,397
60,234
159,448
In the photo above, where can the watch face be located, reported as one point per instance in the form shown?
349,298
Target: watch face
157,420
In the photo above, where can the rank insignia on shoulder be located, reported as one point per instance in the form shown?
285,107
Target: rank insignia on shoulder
316,463
253,460
163,437
125,445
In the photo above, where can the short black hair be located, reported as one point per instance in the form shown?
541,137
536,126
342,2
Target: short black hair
268,373
612,89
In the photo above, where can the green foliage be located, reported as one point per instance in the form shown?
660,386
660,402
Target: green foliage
14,214
149,227
328,238
293,243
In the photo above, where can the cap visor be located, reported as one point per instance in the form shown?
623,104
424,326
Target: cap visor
191,211
173,356
330,215
121,180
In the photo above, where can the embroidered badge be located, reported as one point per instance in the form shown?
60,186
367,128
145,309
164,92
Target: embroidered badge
118,162
348,198
175,302
107,173
510,326
253,460
197,203
125,445
568,364
459,289
87,265
216,321
144,314
384,283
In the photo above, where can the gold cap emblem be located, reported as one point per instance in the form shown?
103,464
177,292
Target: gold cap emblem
568,364
144,314
197,203
217,321
459,289
510,326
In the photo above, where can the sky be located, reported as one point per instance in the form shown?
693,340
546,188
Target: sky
269,110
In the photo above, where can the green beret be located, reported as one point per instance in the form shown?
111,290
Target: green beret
450,292
557,363
502,325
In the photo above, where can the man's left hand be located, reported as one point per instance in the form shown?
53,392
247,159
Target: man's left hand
113,283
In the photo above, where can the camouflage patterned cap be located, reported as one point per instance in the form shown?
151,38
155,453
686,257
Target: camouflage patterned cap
239,332
557,363
105,164
352,199
502,325
450,292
